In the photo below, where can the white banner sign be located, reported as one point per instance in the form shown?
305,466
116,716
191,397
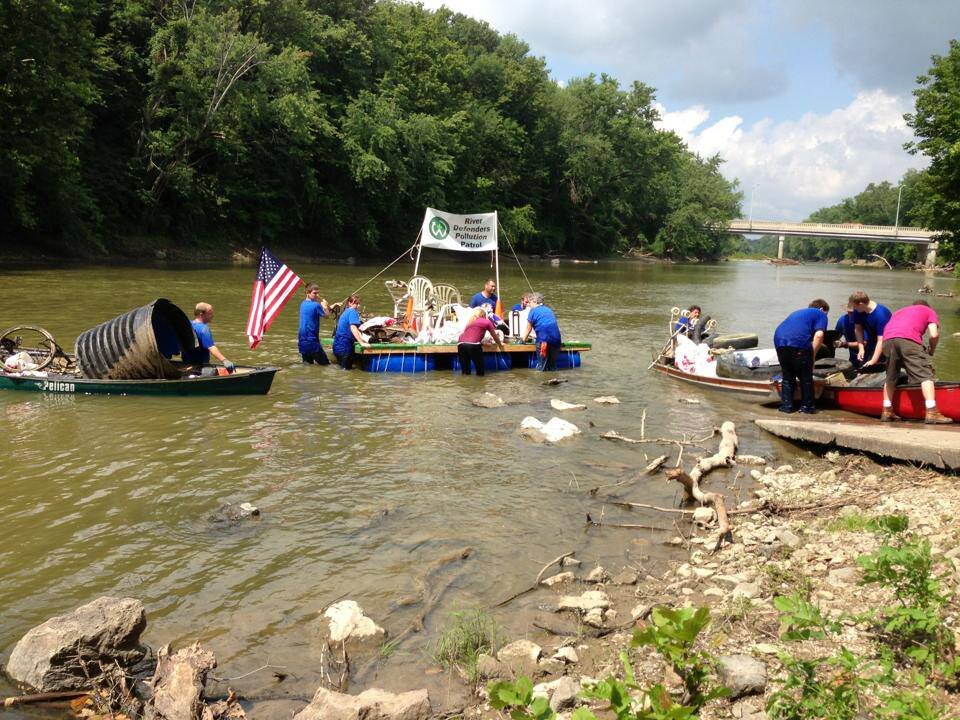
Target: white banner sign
465,233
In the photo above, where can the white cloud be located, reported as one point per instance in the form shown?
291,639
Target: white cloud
701,50
801,165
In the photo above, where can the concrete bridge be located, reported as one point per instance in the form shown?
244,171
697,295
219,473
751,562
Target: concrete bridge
853,231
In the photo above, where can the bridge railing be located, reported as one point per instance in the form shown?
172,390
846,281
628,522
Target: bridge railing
882,233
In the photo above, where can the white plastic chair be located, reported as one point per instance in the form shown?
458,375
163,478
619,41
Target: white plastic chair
444,294
421,290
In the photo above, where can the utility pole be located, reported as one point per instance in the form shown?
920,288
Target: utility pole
752,191
896,222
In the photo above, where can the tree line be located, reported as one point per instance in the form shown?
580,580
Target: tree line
326,124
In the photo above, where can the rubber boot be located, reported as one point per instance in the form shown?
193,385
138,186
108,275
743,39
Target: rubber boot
888,415
935,417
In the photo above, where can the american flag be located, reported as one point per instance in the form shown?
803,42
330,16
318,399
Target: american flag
273,286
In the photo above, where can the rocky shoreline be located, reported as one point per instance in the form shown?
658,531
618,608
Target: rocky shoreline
801,534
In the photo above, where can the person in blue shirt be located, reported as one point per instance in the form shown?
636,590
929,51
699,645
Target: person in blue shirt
797,340
202,316
348,333
848,335
522,305
312,309
869,318
542,320
487,295
685,324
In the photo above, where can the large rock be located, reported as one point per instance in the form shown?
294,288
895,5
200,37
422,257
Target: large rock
586,602
371,704
105,631
561,693
179,682
345,624
742,674
520,657
487,400
554,430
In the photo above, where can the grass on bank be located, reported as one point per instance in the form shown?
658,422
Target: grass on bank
467,635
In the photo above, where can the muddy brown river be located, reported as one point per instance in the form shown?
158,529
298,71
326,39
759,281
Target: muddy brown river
364,480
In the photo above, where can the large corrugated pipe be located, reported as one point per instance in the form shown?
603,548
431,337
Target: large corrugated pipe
129,346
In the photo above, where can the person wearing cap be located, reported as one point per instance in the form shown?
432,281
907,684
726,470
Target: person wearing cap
543,321
202,316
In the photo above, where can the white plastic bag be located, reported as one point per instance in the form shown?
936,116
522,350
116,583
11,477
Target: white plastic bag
19,361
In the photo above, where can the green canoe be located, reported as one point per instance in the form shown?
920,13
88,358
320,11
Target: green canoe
245,381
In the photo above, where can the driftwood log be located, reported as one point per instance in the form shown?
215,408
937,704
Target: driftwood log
724,457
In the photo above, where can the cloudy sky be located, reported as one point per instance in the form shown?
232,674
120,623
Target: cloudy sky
804,100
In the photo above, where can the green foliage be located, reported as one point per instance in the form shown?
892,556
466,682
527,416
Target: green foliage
801,619
518,699
789,579
915,625
910,705
336,121
673,634
937,129
820,688
848,523
469,634
836,685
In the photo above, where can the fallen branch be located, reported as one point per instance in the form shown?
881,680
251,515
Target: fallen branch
724,455
881,257
693,492
626,526
15,700
655,464
536,583
614,435
681,511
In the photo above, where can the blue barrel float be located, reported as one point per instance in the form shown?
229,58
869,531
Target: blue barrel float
566,360
407,362
492,361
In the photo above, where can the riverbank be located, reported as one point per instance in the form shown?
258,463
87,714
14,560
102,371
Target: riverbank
796,547
794,563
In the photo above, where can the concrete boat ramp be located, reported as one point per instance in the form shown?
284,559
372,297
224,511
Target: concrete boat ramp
936,445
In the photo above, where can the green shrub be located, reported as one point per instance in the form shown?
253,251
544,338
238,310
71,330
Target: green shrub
469,634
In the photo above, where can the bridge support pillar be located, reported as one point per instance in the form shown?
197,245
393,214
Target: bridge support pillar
929,254
780,249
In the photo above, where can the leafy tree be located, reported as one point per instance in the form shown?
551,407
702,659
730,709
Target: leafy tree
936,125
50,59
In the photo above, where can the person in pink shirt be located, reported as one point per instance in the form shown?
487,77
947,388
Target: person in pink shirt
903,348
470,342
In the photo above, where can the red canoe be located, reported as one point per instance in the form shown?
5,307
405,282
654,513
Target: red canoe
907,401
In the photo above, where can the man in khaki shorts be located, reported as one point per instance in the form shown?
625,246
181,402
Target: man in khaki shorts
903,348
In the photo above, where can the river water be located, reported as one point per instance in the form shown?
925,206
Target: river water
364,480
